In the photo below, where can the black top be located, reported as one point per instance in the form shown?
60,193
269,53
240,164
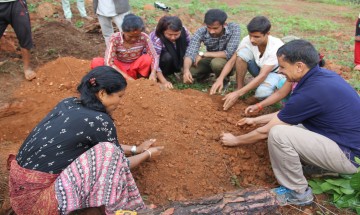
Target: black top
64,134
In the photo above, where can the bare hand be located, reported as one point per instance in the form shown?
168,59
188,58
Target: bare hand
145,145
155,151
188,79
230,100
246,121
168,85
152,76
197,59
217,86
251,109
228,139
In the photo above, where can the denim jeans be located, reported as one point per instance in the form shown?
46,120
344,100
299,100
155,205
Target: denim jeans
270,84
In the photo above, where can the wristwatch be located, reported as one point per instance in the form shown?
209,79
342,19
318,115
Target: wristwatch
201,54
133,150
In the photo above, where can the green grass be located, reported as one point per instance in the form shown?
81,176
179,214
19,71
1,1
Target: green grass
355,80
320,29
79,24
32,7
292,24
337,2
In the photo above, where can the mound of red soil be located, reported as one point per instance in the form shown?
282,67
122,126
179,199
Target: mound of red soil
188,123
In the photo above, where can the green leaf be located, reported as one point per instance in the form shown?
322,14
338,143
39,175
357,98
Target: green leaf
330,187
355,181
357,210
336,197
357,160
347,191
346,176
315,186
345,183
345,201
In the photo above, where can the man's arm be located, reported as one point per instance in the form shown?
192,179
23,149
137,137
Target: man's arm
218,54
272,99
187,77
218,85
192,52
232,97
228,139
234,41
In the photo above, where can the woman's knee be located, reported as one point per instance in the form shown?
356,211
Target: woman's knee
264,91
166,58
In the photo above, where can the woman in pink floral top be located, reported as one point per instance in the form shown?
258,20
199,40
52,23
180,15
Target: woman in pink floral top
131,52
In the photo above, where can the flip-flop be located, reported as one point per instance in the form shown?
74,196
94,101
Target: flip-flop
29,74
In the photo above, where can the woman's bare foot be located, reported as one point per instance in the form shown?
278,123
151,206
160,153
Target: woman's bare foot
29,74
357,67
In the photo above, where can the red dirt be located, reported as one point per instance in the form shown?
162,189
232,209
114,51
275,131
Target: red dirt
187,123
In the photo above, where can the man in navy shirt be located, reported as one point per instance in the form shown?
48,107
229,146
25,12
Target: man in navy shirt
319,125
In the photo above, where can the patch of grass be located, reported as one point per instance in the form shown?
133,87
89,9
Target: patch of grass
355,81
32,7
301,24
235,181
51,51
204,87
79,24
337,2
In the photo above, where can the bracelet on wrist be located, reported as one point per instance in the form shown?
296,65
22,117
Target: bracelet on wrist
133,150
149,153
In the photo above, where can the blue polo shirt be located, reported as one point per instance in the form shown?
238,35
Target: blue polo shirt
326,104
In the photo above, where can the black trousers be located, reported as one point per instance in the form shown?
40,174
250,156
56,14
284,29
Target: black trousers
167,64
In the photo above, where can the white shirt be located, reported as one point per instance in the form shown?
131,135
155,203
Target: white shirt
106,8
269,57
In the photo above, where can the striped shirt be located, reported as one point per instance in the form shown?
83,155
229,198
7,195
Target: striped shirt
116,49
228,42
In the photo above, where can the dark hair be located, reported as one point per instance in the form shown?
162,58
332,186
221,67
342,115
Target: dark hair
100,78
259,24
215,15
132,22
168,22
299,50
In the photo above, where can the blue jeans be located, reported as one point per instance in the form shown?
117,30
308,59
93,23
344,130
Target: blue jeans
270,84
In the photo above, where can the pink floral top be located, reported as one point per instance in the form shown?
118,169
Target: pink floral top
116,50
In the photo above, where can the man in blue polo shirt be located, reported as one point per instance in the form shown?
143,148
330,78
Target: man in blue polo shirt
320,124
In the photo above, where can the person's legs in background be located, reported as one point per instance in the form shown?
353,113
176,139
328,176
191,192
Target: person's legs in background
67,10
22,28
82,10
118,20
106,27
